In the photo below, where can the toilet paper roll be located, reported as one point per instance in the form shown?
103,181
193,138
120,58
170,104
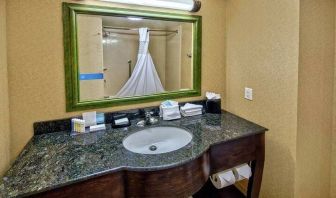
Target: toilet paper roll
242,172
223,179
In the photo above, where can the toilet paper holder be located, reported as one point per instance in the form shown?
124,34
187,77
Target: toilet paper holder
231,176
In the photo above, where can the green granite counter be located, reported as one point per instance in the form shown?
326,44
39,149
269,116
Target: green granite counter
57,159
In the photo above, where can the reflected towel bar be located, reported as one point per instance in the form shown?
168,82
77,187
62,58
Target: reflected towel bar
150,30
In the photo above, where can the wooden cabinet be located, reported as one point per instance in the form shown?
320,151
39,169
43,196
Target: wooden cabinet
111,185
249,149
181,181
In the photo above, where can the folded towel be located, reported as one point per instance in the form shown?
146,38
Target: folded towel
169,103
171,114
191,110
190,106
194,113
169,110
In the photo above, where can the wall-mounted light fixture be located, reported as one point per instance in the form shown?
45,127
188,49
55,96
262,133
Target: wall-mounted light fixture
188,5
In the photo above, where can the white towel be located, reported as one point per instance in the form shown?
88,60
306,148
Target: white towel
190,106
191,110
199,112
169,110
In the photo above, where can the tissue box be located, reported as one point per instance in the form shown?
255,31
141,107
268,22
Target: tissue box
213,106
170,113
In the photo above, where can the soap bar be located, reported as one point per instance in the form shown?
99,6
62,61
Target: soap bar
121,121
98,127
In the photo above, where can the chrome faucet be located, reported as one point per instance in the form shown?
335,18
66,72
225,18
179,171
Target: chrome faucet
149,119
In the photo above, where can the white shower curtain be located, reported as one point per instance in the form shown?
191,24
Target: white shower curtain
144,79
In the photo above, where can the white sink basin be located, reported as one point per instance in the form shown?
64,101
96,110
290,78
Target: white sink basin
157,140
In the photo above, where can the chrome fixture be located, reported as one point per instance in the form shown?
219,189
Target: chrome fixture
187,5
149,119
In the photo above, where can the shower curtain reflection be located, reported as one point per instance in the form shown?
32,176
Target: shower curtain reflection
170,48
144,79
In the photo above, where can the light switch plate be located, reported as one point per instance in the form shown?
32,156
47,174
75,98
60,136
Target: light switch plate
248,93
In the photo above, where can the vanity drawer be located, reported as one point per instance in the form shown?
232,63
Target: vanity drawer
229,154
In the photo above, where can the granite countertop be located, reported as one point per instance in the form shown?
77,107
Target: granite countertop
57,159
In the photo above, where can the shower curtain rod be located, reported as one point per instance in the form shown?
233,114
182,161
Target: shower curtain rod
149,30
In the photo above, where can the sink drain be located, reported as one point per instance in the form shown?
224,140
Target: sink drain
152,148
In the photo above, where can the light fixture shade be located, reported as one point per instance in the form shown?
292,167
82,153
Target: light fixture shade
188,5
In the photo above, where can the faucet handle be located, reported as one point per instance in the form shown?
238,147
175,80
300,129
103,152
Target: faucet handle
148,114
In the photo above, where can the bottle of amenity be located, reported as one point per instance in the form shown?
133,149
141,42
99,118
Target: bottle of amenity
78,125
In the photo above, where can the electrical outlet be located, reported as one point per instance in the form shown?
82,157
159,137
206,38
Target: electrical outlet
248,93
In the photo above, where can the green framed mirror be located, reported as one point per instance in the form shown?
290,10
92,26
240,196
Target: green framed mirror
115,56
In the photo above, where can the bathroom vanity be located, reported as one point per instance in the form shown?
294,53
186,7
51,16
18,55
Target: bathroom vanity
59,165
108,63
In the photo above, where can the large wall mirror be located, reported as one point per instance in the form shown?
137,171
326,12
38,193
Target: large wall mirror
117,56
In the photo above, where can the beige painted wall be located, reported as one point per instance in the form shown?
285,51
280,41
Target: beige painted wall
186,61
285,52
4,104
36,70
333,143
90,56
157,50
173,61
316,70
262,53
333,152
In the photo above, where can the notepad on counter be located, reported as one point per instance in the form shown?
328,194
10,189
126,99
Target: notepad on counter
90,118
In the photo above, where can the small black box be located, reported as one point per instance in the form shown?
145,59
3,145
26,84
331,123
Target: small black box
213,106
